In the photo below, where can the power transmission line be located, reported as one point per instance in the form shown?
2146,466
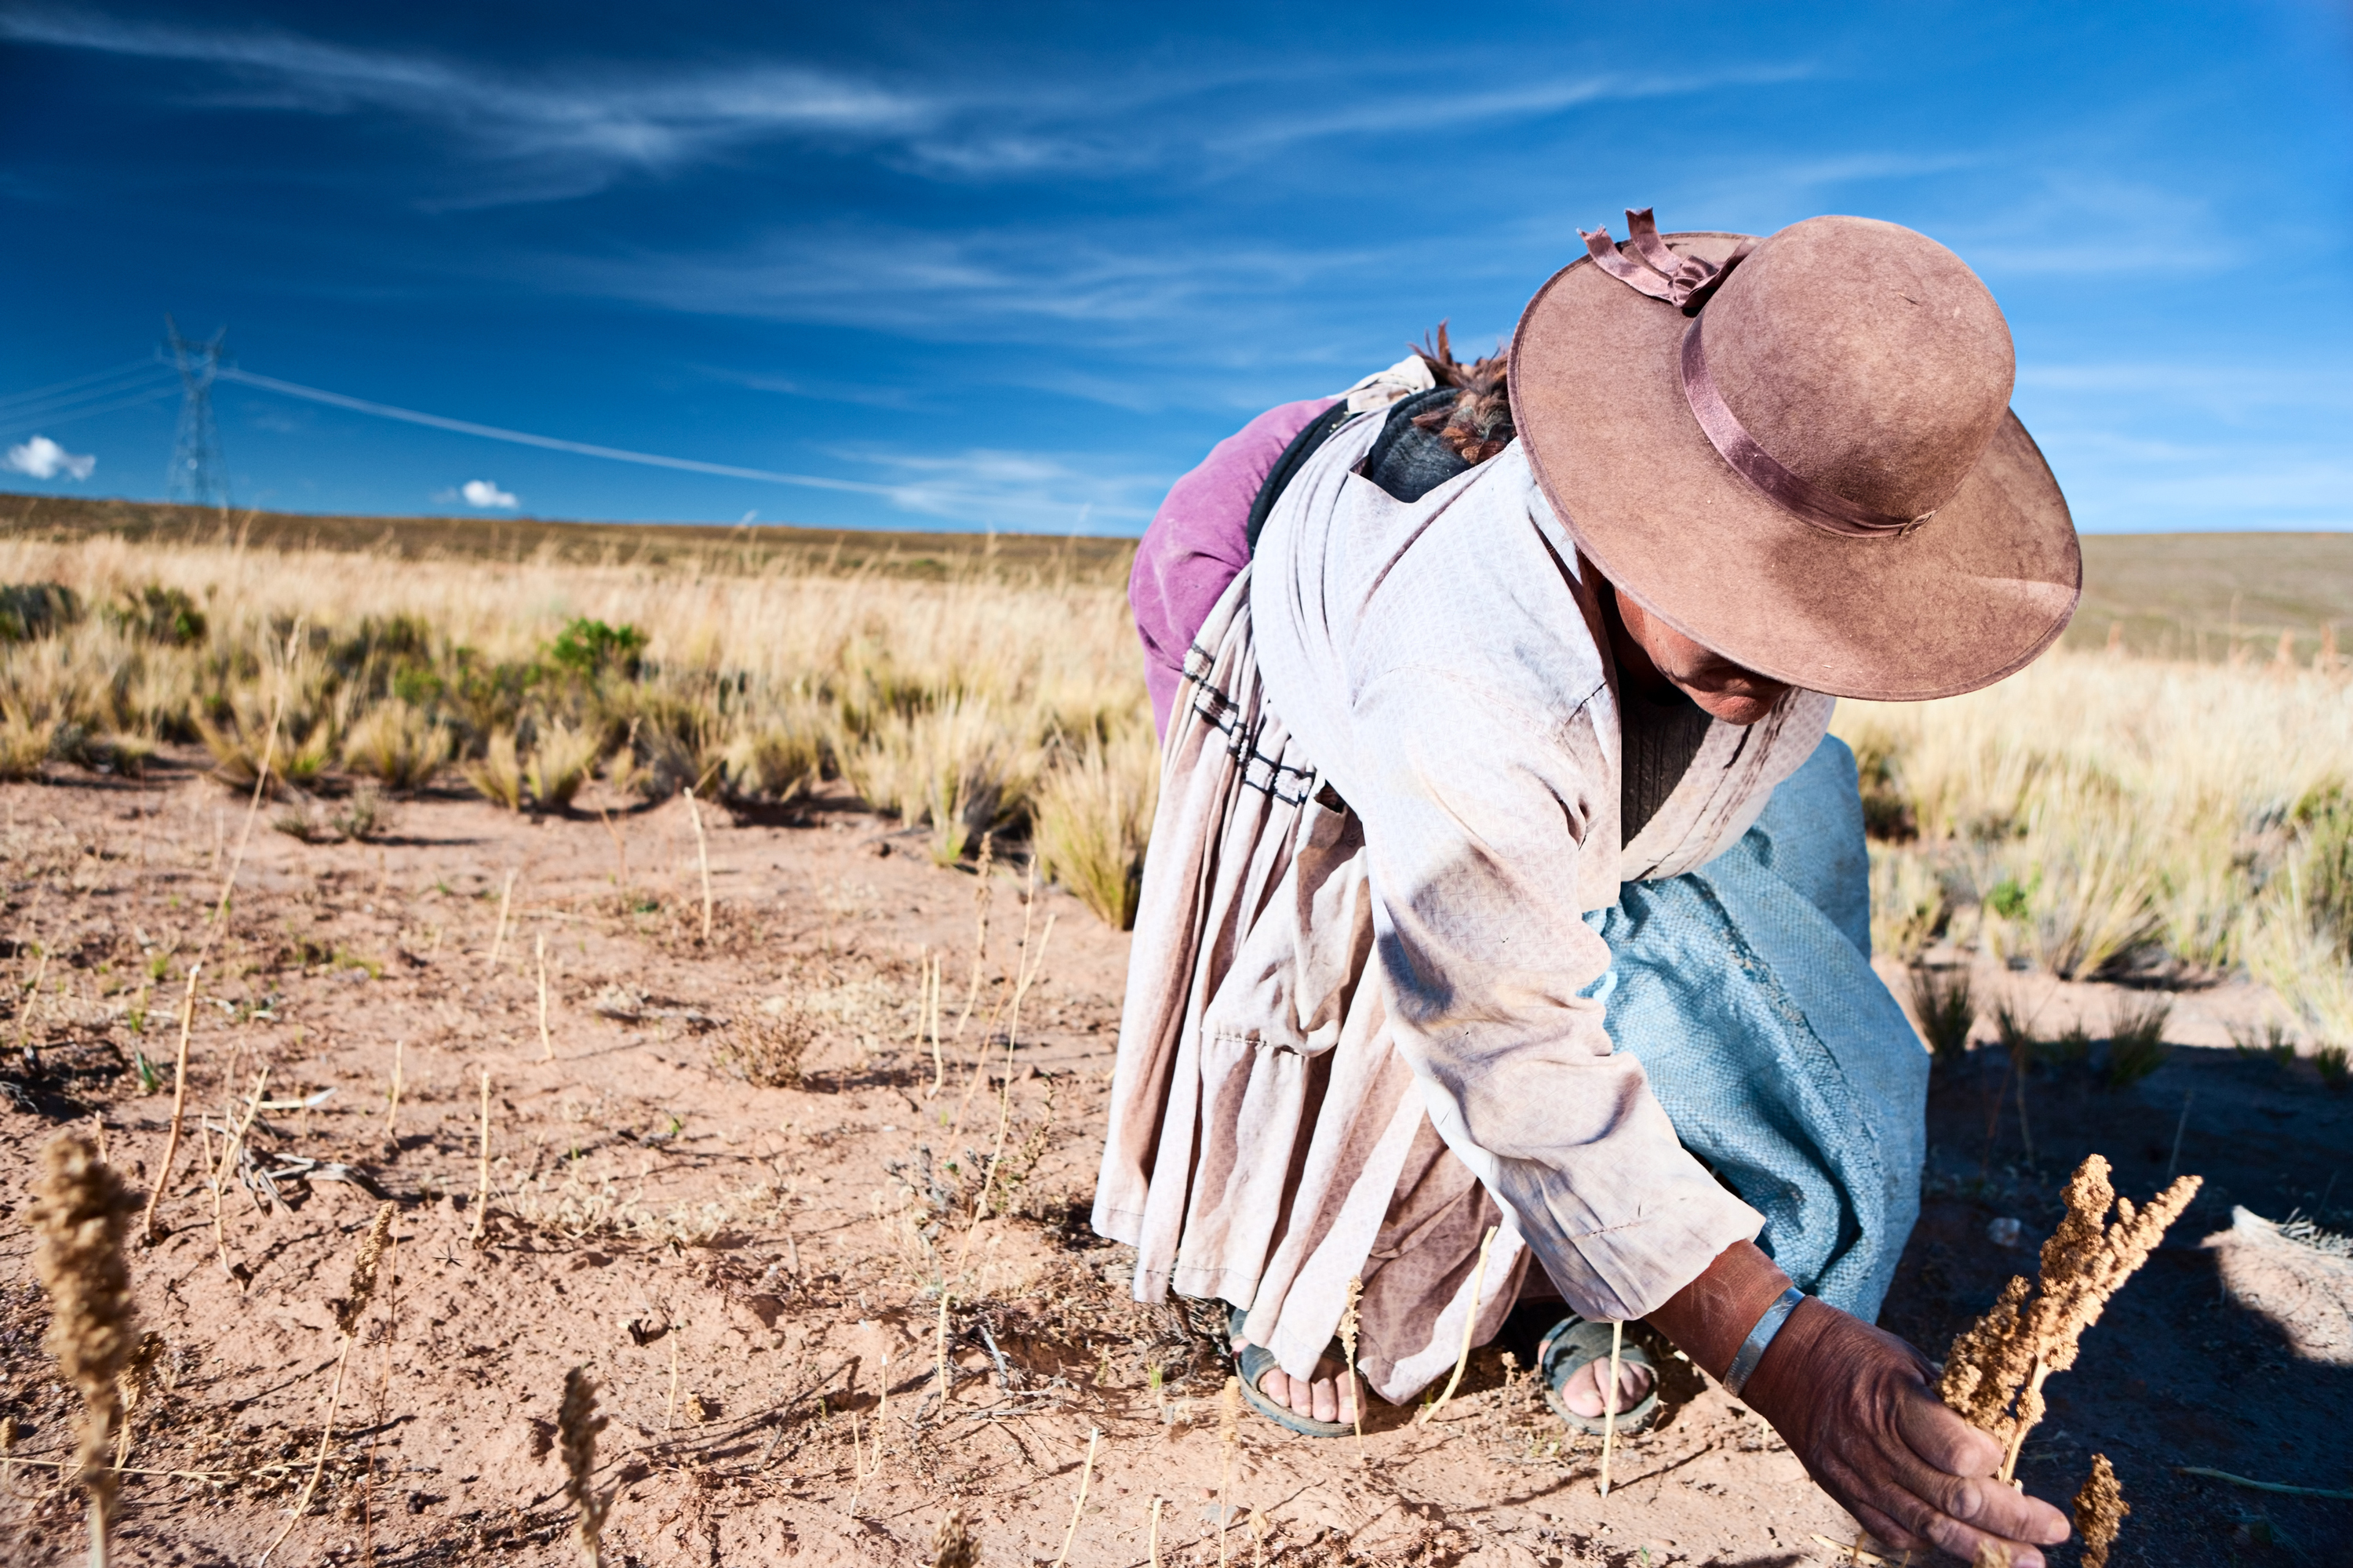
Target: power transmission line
81,388
197,474
550,443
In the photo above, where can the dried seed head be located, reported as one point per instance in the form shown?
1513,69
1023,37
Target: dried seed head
1993,1377
953,1545
138,1375
1991,1555
1348,1321
79,1212
2100,1510
1988,1362
576,1426
361,1290
1229,1413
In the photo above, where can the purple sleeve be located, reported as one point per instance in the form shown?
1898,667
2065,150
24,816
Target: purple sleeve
1198,544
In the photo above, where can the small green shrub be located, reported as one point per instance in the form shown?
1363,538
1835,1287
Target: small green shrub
2008,899
160,614
29,610
593,649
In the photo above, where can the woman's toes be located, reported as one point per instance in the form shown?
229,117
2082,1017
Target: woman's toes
1327,1400
1583,1394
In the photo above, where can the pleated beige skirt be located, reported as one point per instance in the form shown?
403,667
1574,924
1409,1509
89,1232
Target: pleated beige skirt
1266,1144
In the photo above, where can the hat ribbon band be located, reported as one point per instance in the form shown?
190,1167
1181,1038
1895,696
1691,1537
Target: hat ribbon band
1683,281
1791,492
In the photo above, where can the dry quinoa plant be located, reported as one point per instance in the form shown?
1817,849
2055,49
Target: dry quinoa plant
79,1212
1348,1351
348,1313
577,1424
951,1544
1994,1376
2100,1510
137,1377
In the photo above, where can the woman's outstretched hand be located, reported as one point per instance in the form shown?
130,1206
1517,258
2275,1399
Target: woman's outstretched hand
1854,1406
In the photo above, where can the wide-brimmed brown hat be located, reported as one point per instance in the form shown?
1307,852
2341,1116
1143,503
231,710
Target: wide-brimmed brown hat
1798,452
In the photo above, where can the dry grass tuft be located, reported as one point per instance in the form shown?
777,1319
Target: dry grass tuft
397,744
80,1214
576,1426
361,1290
2137,1045
1995,1373
1094,816
561,762
497,773
767,1048
2100,1511
1947,1010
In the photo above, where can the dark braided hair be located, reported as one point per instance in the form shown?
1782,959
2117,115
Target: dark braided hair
1478,423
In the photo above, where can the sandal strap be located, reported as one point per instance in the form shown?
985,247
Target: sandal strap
1575,1343
1252,1362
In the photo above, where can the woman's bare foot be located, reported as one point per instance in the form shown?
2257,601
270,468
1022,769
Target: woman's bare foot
1582,1392
1327,1396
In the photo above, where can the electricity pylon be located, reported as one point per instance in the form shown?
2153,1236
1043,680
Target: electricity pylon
197,474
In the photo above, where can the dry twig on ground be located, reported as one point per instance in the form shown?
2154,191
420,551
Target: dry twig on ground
348,1313
147,1234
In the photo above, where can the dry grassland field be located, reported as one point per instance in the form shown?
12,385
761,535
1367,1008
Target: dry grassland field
710,946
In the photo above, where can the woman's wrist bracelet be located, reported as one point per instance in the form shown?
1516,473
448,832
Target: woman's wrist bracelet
1752,1349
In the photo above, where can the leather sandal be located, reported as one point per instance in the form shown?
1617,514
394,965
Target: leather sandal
1252,1362
1575,1343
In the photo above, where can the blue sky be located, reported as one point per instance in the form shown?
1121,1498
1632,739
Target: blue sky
1020,266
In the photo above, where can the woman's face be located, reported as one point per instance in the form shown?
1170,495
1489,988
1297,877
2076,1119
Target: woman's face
1722,688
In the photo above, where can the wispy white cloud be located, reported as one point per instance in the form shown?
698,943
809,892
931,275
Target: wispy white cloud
1023,491
484,493
1410,106
1116,286
43,459
572,131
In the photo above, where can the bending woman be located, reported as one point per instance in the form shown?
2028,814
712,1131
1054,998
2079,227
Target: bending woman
1505,877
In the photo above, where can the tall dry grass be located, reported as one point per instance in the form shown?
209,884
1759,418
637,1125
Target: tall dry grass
2098,812
966,708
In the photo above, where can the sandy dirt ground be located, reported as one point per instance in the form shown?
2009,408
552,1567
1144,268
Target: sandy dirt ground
749,1267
